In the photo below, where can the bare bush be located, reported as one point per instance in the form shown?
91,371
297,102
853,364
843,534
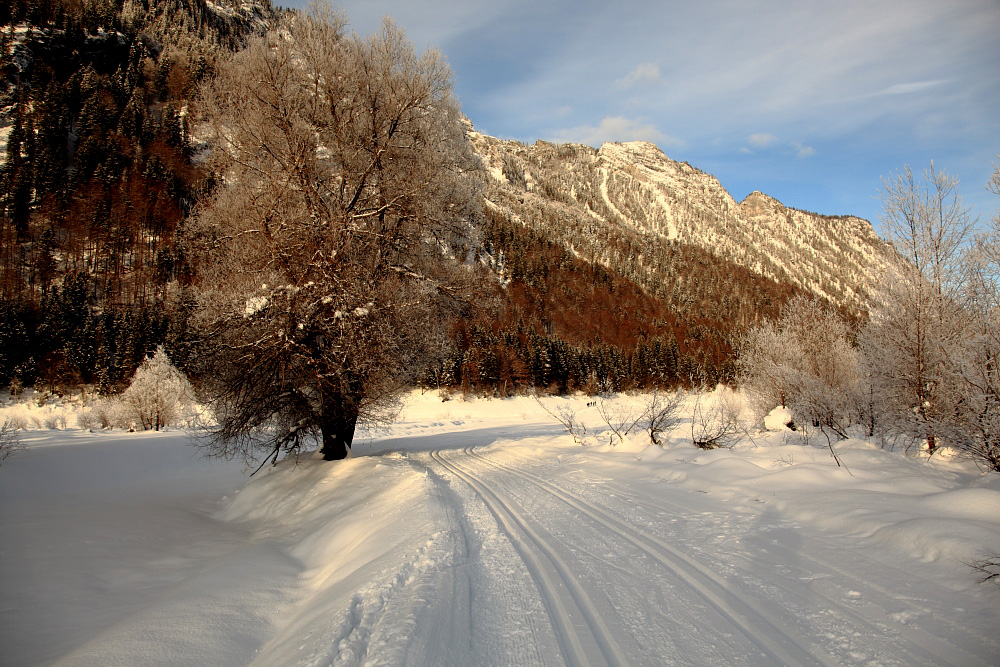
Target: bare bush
660,413
621,419
567,416
10,442
715,419
988,568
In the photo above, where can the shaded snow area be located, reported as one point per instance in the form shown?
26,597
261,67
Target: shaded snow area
481,533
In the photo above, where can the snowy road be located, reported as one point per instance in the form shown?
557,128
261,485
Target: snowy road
484,536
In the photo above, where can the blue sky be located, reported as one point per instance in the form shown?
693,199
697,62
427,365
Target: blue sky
809,101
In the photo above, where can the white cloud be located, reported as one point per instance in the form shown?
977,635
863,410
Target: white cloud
644,73
761,140
616,128
803,151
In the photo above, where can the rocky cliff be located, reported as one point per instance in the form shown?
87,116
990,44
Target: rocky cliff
625,205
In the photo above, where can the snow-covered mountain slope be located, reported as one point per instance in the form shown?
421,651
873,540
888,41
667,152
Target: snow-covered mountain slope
621,204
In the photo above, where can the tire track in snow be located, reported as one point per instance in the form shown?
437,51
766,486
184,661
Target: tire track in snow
457,639
758,626
921,645
551,574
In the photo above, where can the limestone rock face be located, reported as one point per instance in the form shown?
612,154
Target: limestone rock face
631,193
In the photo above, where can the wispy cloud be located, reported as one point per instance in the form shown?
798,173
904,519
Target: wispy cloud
643,74
616,128
770,143
859,84
914,87
803,151
761,140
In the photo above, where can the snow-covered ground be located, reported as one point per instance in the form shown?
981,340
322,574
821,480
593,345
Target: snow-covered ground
479,532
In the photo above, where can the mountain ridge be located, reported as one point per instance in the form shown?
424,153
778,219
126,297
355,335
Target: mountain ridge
635,186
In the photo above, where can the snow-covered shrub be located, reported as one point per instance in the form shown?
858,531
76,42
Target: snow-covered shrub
715,418
159,395
763,353
18,418
108,412
779,419
87,418
54,419
976,427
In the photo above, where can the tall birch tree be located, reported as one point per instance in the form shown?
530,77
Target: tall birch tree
919,320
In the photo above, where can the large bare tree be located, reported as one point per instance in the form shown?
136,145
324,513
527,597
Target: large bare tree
323,255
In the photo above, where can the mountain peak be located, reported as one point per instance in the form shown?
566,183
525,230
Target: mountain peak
638,147
757,200
642,151
757,194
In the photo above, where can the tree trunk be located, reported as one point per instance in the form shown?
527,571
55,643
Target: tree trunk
338,434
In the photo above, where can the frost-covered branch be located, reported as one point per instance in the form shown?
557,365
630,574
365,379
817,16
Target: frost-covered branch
9,440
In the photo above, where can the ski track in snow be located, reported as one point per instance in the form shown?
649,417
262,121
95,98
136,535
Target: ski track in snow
823,592
761,630
565,598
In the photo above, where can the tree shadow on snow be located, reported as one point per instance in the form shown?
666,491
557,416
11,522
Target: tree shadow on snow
478,437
